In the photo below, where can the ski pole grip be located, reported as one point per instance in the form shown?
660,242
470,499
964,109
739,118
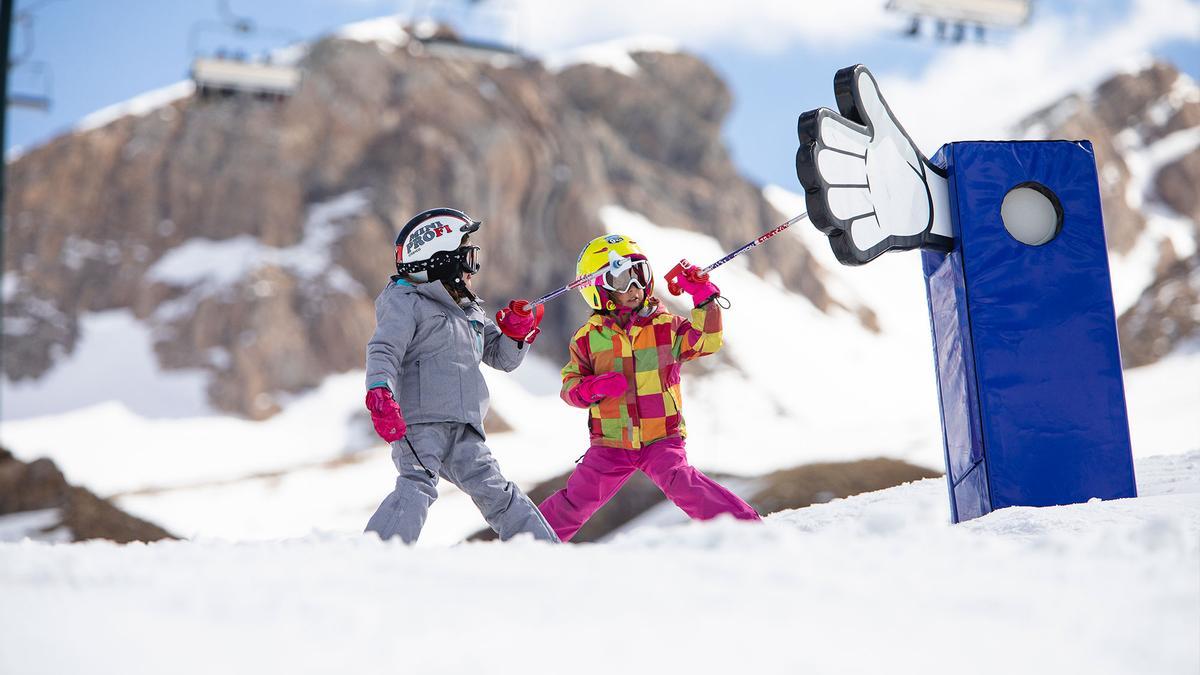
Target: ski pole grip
516,307
672,277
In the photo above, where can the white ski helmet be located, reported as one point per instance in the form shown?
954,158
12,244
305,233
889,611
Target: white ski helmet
430,247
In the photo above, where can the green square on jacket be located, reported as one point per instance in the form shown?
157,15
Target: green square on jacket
645,359
598,342
614,428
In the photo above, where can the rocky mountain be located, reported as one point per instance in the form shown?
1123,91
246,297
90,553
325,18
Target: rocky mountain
37,501
252,236
1145,127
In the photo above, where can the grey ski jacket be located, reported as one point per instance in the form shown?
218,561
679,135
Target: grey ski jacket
427,350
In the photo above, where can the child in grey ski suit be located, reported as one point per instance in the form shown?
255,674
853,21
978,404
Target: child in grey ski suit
426,350
428,398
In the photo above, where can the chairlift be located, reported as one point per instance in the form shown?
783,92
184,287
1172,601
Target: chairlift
445,43
40,75
38,100
952,18
438,37
231,72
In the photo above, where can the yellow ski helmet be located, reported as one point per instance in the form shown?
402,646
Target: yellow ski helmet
595,256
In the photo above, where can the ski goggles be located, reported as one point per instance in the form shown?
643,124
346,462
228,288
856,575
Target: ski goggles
468,259
637,273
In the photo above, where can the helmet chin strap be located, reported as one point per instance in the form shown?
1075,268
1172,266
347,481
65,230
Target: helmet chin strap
458,288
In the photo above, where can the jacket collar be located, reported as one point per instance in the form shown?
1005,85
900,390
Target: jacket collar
645,317
436,291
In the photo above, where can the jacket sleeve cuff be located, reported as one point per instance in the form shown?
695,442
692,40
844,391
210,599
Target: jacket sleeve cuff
380,384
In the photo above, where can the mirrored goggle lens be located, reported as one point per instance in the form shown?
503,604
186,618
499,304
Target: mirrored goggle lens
638,273
470,259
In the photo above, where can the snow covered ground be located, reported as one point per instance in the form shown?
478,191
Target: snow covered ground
278,578
874,583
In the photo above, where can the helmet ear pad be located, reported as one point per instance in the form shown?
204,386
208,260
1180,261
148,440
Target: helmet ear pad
607,304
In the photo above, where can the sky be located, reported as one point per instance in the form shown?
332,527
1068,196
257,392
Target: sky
778,58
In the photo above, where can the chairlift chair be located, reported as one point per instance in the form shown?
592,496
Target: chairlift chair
229,72
20,62
229,76
39,99
982,14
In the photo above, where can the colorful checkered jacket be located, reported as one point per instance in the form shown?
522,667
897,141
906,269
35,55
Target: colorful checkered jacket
649,353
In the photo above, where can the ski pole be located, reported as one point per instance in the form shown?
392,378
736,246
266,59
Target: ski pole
687,269
615,264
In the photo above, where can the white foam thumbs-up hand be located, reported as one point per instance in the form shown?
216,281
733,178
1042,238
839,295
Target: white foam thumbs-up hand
866,184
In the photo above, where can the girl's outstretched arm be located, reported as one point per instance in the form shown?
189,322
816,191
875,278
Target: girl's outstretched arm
701,335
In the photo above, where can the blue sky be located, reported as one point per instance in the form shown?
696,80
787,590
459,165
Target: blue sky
778,58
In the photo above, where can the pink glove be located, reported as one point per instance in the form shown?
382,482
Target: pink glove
385,415
691,280
592,389
520,323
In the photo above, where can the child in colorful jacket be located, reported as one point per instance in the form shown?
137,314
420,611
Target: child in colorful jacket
624,369
424,358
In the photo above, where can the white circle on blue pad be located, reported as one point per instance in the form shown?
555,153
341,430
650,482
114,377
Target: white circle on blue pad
1031,213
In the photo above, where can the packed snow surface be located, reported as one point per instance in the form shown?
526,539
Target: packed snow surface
874,583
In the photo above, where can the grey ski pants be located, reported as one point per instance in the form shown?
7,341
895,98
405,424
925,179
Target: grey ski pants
457,453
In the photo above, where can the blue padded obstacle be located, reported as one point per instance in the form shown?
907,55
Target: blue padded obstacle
1025,337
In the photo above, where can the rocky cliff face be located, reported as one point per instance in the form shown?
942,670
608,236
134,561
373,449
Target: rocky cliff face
54,510
1145,127
252,237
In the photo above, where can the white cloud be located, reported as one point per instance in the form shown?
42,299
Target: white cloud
977,92
766,26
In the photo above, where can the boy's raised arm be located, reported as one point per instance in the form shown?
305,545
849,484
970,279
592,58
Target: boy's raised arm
500,351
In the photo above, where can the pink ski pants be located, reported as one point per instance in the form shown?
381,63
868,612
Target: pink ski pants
604,470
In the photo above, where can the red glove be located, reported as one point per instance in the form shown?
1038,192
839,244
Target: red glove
520,323
385,415
592,389
690,279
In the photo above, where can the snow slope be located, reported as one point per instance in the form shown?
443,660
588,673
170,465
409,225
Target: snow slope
802,385
874,583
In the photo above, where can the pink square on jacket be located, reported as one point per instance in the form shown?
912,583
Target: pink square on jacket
651,405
